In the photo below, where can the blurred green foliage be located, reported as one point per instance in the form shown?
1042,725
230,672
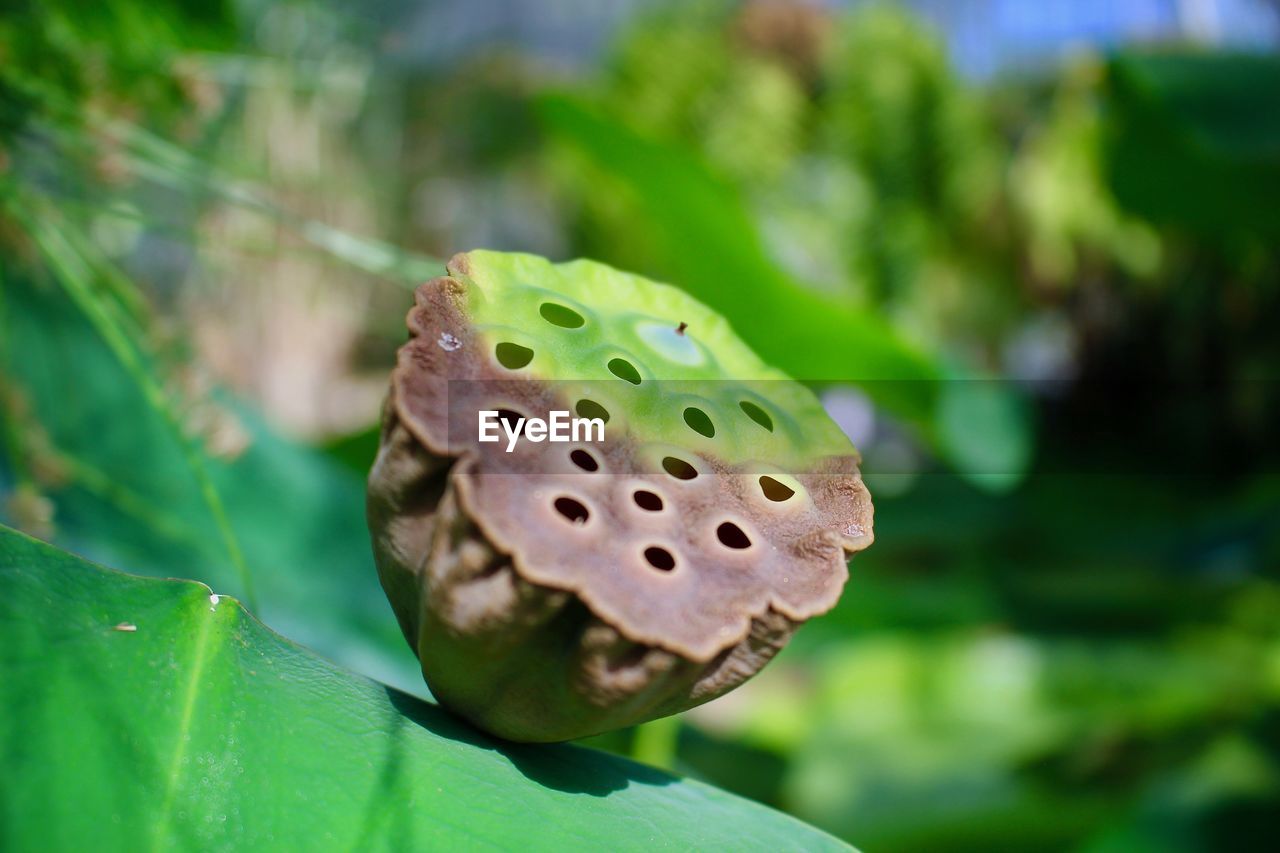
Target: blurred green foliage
872,168
1214,120
1067,635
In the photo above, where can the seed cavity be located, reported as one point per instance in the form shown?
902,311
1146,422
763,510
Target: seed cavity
513,356
559,315
624,369
733,536
510,418
647,500
584,460
573,511
591,409
699,421
774,490
660,558
757,414
678,468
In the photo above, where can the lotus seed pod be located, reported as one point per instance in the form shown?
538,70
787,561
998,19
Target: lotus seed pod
558,589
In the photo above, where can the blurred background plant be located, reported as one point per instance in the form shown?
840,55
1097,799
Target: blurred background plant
1027,252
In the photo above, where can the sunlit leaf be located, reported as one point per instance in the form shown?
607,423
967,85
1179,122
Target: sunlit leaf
151,714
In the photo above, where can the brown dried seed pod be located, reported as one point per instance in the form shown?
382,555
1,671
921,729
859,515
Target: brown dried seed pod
557,590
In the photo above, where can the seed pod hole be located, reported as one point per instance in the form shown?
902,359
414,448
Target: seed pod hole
625,370
572,510
774,490
757,414
733,536
678,468
647,500
510,418
512,356
559,315
699,421
660,558
584,460
591,409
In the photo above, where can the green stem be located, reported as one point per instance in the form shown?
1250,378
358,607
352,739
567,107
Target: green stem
656,742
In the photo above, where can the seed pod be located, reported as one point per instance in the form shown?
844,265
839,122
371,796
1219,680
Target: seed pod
557,590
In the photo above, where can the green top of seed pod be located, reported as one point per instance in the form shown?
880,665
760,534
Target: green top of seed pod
664,366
